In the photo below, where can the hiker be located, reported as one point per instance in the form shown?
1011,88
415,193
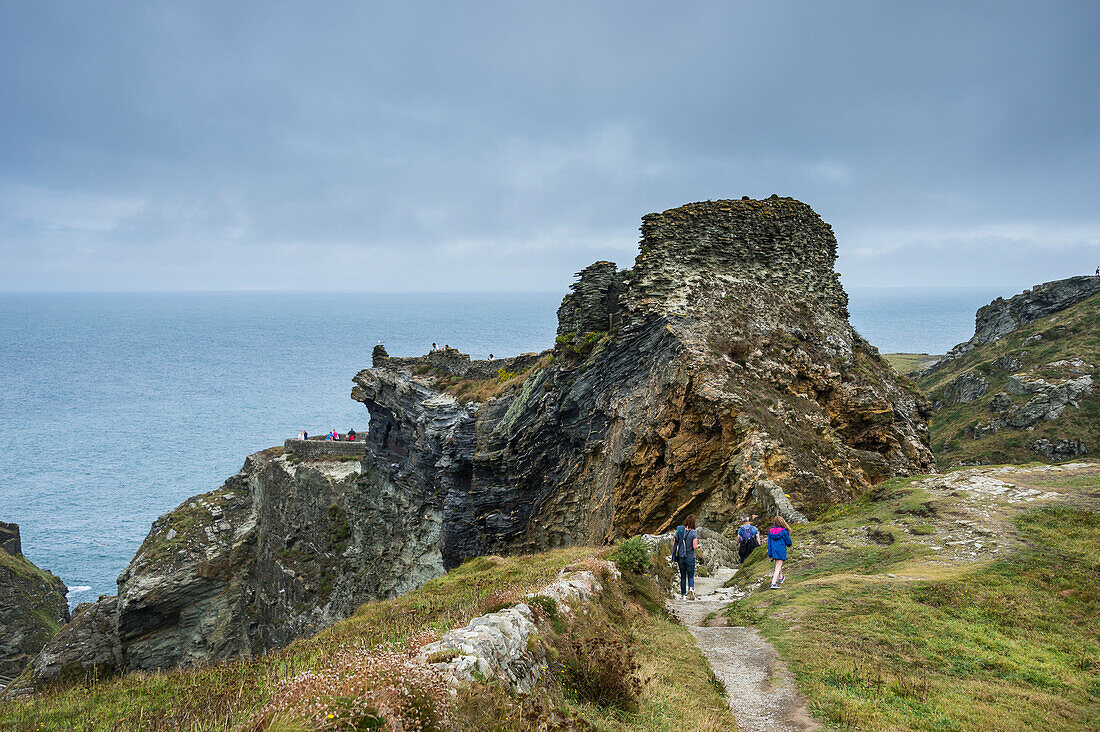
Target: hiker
779,538
490,357
302,435
434,347
683,551
351,435
748,538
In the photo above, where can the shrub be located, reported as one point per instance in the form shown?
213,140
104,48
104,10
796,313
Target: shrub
597,664
632,556
504,374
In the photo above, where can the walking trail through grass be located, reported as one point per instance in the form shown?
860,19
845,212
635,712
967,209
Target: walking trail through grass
759,689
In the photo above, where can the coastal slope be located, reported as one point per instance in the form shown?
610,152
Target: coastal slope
32,604
1024,387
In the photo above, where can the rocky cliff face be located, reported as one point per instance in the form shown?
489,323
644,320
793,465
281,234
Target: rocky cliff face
1024,386
32,604
280,551
719,373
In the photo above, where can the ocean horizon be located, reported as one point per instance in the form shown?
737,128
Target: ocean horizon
119,406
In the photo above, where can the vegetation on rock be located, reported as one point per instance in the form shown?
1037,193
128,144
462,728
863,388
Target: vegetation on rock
1033,394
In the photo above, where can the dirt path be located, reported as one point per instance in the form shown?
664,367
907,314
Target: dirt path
759,688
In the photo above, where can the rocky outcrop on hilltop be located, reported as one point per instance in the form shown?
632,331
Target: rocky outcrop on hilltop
720,372
1024,386
1001,317
32,604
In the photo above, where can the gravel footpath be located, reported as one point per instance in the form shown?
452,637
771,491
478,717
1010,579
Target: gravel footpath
759,688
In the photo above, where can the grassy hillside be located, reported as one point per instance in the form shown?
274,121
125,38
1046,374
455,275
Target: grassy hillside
1071,334
964,602
624,666
906,363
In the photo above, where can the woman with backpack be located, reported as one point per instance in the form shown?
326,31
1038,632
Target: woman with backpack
779,538
687,541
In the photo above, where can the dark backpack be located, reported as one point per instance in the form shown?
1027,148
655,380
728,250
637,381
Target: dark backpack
745,532
679,548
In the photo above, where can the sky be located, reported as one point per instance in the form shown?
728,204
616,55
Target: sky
409,147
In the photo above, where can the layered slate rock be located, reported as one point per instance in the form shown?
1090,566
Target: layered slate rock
32,604
726,376
594,305
285,548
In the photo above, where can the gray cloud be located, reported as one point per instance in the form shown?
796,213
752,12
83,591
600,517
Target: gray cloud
502,146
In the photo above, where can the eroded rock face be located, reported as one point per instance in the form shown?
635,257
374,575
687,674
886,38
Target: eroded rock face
1047,400
594,305
965,388
283,549
32,604
731,379
1061,450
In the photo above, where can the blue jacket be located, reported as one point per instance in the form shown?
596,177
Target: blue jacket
778,541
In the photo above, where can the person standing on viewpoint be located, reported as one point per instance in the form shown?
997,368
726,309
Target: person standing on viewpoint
687,541
779,538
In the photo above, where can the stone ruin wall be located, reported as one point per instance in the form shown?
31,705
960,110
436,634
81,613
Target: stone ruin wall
313,449
594,303
779,243
451,362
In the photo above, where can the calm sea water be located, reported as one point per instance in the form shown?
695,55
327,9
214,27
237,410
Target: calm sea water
117,407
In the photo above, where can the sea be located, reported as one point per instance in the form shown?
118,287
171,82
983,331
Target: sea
115,408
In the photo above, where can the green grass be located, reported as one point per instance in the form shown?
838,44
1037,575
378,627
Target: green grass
1072,333
21,566
906,363
223,696
1012,643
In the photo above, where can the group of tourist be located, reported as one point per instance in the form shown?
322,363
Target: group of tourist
330,436
686,543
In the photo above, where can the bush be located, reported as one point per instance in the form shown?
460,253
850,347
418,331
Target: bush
597,665
632,556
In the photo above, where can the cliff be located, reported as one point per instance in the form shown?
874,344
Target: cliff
32,604
285,548
1023,388
719,374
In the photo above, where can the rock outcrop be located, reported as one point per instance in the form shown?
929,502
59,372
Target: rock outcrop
1001,317
1024,386
719,372
283,549
32,604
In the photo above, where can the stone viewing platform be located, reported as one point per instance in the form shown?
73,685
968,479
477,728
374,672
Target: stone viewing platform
318,447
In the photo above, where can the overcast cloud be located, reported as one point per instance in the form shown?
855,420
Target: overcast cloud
503,146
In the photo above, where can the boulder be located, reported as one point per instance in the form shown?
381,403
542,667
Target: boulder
965,388
1062,450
